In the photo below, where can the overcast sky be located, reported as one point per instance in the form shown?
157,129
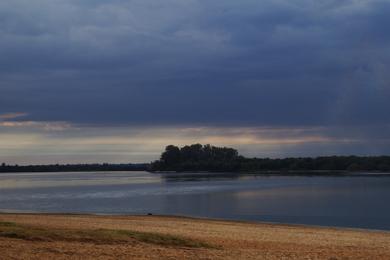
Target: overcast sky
118,80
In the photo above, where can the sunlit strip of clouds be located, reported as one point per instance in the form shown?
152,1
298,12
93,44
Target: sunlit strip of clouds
30,142
49,126
7,116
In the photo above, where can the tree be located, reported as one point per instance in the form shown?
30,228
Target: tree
197,157
171,155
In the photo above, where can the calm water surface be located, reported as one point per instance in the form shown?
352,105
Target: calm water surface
349,201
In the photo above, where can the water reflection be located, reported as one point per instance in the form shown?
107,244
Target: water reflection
183,177
71,179
320,200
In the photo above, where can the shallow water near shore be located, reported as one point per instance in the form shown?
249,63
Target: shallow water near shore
359,201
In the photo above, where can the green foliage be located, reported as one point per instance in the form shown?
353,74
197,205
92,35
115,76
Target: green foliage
199,157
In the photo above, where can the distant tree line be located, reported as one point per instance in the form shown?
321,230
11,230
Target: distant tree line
209,158
73,167
199,157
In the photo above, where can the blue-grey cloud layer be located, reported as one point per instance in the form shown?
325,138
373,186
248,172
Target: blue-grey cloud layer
196,62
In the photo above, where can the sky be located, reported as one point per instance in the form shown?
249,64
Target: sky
118,80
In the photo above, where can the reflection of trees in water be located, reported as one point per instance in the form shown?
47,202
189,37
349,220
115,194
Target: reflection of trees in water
206,176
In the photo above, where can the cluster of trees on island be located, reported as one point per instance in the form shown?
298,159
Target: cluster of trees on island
199,157
209,158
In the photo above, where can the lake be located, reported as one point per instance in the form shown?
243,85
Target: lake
360,201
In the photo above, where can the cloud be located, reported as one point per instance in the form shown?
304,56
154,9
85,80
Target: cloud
253,63
8,116
31,125
196,63
24,145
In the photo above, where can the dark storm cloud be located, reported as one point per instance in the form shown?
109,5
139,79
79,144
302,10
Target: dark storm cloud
196,62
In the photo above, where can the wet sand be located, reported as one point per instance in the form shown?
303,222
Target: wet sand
229,239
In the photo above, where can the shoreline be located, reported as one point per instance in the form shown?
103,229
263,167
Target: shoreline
184,217
265,173
225,239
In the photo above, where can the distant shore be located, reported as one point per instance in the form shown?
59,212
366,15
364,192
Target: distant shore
56,236
215,173
207,158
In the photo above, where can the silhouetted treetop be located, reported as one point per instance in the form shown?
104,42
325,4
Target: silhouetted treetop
199,157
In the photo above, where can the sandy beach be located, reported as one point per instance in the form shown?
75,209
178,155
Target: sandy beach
80,237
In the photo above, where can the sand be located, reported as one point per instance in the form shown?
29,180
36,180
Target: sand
230,239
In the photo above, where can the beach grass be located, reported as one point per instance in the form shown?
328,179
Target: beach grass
56,236
97,236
